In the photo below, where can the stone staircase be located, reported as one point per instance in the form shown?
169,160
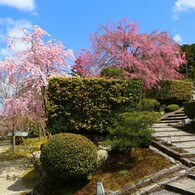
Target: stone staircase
170,137
184,185
172,140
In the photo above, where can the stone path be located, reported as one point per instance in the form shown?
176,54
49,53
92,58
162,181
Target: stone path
168,132
11,173
10,177
172,140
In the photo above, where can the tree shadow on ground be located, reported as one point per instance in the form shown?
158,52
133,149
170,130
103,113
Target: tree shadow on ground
17,186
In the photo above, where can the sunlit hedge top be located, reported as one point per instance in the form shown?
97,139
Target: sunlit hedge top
88,105
172,91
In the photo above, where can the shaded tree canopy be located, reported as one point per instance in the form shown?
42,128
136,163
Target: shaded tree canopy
189,67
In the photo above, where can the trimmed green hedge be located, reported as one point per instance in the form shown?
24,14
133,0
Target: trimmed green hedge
172,91
89,105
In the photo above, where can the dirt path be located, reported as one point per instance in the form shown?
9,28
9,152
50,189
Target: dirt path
11,173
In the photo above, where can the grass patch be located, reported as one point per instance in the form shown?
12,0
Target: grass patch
143,164
23,150
32,142
8,155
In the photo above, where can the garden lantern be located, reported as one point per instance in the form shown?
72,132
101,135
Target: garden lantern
100,189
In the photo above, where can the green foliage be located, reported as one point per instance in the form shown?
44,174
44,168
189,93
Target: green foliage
8,155
189,68
112,72
131,129
88,105
123,172
189,109
172,91
171,108
148,105
68,156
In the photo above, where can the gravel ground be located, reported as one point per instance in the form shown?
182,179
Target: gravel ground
10,177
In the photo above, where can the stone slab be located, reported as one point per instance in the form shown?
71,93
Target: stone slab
165,129
185,184
172,134
180,138
190,150
159,125
190,144
170,121
175,118
178,115
164,192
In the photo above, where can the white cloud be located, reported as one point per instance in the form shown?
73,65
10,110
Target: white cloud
24,5
177,38
182,6
10,27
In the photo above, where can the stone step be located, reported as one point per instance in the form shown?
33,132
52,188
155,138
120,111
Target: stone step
177,114
164,192
175,118
189,144
190,156
162,125
172,134
170,121
190,150
191,176
177,139
182,139
167,129
183,186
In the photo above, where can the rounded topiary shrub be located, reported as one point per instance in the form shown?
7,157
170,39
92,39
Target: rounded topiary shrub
171,108
68,155
148,105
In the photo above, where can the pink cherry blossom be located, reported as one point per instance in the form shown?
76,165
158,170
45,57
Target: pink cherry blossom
30,69
150,57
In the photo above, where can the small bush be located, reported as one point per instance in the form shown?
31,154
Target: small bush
148,105
189,109
132,129
112,72
171,108
68,156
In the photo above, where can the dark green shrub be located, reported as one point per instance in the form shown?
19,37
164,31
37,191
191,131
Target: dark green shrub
148,105
189,109
171,108
132,129
68,156
172,92
88,105
112,72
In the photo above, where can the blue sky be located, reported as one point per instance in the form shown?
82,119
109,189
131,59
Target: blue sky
72,21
